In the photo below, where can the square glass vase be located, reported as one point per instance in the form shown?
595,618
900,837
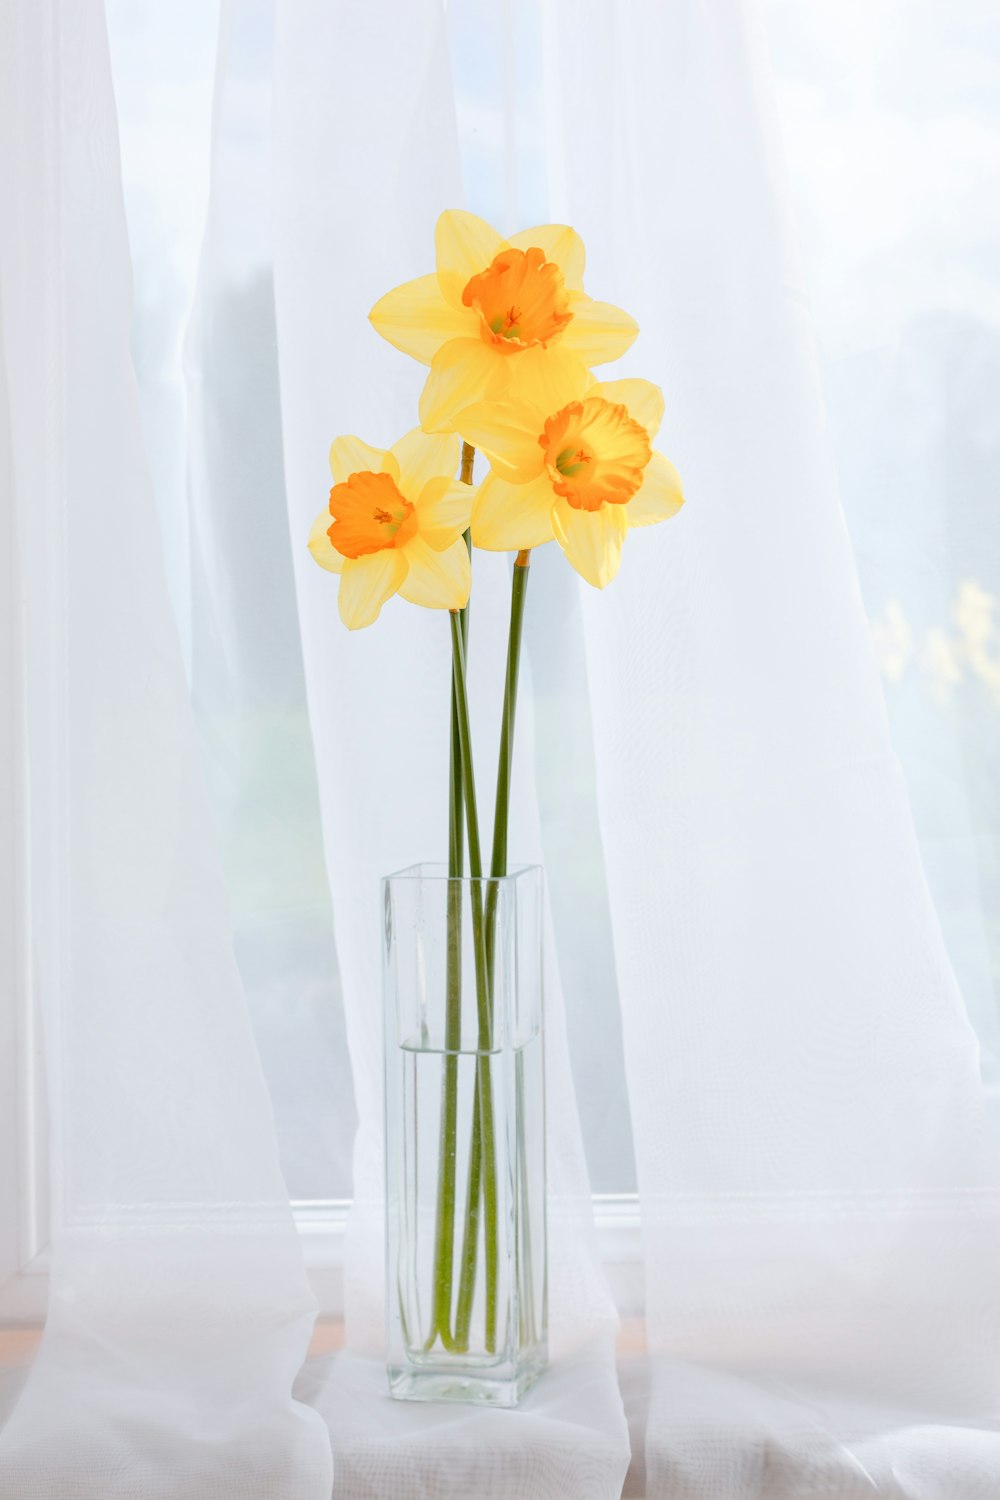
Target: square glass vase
466,1288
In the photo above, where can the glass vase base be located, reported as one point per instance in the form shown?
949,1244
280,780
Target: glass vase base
470,1387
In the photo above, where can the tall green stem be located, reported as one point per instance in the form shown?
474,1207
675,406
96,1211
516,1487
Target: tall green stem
498,868
505,761
444,1237
470,1239
484,1077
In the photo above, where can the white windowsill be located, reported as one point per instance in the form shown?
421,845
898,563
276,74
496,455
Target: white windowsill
322,1226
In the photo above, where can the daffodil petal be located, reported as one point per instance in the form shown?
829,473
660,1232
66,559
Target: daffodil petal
424,455
465,245
549,378
560,244
598,332
349,455
508,433
508,517
417,318
367,582
641,398
443,511
437,580
321,546
660,495
591,539
462,373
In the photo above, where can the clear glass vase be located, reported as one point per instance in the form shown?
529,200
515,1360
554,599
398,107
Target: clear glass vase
466,1296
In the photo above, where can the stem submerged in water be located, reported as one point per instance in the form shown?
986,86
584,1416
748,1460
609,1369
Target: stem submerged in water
444,1234
481,1206
444,1240
484,1077
498,868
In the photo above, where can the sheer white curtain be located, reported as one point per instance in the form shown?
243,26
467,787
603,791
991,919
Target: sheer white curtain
895,170
179,1309
704,762
815,1160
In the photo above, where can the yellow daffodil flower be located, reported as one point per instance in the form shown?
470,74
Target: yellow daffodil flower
499,318
397,524
582,472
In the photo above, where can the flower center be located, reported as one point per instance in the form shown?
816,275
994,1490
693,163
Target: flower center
521,300
369,514
595,453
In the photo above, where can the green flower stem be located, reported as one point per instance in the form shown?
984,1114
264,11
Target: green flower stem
498,859
505,762
484,1077
470,1240
444,1236
498,868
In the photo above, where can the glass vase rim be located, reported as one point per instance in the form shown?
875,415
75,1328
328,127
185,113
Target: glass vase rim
430,870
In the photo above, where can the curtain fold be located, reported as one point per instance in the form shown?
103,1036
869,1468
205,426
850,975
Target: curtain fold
246,676
179,1309
818,1178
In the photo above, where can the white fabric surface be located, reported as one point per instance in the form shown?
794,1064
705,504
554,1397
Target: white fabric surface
179,1309
557,1443
704,757
817,1170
